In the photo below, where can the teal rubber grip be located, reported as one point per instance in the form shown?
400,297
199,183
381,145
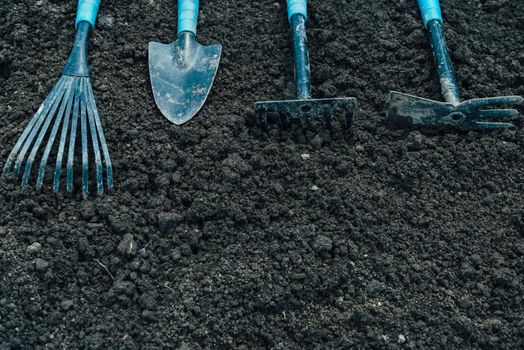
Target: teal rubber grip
296,7
187,16
430,10
87,11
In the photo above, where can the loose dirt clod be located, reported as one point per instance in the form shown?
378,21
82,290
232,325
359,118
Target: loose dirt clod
127,245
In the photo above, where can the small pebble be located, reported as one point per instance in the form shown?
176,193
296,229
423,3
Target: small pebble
317,142
103,88
184,346
40,264
305,156
127,246
315,188
66,304
323,244
106,22
401,339
168,221
176,255
35,247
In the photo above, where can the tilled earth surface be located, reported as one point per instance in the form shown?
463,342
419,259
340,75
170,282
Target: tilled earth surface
221,235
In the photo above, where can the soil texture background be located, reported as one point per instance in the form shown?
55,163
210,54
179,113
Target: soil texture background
219,235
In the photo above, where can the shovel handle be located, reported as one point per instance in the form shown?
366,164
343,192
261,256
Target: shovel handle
87,11
296,7
187,16
430,10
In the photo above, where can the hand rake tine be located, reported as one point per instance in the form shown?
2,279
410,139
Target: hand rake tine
48,119
52,136
498,113
262,118
349,116
494,101
328,118
101,136
72,138
65,127
493,125
284,120
305,122
48,105
43,108
96,149
85,155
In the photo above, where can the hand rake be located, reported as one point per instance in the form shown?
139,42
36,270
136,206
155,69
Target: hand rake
69,106
406,110
304,107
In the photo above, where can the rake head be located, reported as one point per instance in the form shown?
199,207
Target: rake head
68,110
306,110
408,110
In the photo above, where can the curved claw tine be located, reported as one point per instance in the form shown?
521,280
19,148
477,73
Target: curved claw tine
493,101
493,125
498,113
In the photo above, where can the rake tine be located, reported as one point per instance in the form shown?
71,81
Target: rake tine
65,127
43,107
284,120
96,149
493,125
72,138
48,105
52,137
328,118
262,118
498,113
103,143
349,117
494,101
48,119
305,122
85,156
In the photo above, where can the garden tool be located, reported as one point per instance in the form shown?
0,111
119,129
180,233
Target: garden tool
304,107
403,109
183,72
69,106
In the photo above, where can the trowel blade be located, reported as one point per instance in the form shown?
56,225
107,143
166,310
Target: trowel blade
182,74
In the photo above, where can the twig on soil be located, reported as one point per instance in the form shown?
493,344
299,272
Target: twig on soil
105,267
168,287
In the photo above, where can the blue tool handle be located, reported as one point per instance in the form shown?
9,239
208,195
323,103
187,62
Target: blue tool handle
430,10
187,16
87,11
296,7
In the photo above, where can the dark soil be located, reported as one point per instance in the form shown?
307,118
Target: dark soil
381,239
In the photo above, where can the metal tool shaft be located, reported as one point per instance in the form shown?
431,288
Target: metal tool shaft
448,81
302,66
